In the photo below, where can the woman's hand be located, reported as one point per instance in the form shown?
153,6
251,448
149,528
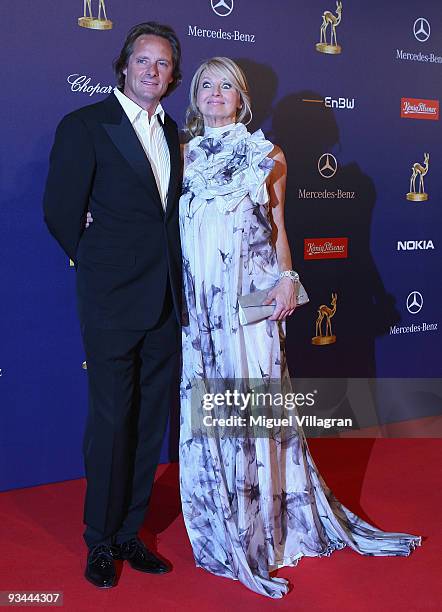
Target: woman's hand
285,295
89,219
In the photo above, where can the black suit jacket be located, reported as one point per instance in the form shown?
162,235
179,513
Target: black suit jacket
126,256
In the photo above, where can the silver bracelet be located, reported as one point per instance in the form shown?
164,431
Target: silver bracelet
291,274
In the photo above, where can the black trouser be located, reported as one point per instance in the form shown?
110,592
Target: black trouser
132,376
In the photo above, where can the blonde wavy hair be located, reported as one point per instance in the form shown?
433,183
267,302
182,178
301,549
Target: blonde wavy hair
222,67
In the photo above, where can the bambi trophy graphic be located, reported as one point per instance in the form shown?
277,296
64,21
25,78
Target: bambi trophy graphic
324,312
329,19
421,171
94,23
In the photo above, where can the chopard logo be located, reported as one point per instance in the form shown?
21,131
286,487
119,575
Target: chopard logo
415,108
325,248
81,84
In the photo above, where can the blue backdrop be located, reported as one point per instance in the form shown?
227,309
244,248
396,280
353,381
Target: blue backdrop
348,105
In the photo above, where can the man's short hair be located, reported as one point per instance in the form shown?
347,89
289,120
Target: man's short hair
155,29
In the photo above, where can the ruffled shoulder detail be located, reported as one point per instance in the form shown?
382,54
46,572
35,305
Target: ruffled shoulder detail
228,167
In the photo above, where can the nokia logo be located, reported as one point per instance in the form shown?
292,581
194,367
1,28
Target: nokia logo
414,245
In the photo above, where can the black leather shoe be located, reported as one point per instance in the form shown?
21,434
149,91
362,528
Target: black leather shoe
140,557
100,568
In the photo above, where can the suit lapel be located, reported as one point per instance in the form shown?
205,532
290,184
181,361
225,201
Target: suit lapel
126,140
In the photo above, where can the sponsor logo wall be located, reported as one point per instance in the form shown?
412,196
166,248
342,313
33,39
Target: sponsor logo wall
363,193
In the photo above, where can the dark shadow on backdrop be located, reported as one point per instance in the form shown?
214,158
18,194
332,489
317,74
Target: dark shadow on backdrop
364,309
263,84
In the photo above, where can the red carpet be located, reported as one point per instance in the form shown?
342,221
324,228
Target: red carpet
395,484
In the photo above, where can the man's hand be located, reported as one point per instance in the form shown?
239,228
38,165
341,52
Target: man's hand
89,219
285,296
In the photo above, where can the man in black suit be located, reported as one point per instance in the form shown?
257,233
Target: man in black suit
120,160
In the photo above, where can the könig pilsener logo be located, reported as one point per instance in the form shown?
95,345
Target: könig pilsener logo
101,22
330,21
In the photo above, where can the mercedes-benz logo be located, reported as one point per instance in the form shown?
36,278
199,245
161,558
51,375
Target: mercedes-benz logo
327,165
415,301
222,7
421,29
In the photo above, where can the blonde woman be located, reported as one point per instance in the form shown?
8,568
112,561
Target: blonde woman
251,503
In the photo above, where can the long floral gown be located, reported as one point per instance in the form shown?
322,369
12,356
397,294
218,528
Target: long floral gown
250,504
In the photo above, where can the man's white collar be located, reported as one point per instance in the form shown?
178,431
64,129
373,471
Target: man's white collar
132,109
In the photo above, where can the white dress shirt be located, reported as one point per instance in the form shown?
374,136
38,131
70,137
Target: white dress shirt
151,136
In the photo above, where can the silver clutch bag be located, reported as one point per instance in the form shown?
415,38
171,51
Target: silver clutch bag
252,309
